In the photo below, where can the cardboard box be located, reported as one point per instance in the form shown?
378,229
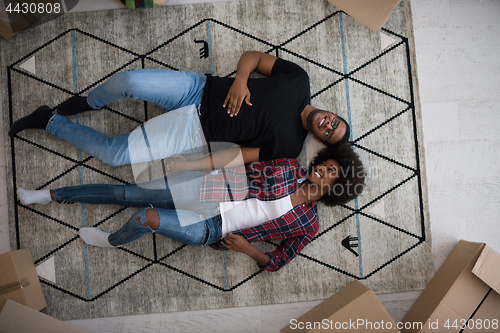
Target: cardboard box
372,13
19,280
465,287
17,318
354,308
19,18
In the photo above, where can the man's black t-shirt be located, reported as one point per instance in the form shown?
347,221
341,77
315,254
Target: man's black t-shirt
272,123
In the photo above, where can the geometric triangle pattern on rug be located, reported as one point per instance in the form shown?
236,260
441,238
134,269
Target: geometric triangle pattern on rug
388,146
47,270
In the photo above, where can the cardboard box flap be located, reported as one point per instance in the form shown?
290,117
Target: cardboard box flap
466,287
365,310
11,284
335,303
18,318
349,306
8,275
487,268
19,280
372,13
489,308
459,263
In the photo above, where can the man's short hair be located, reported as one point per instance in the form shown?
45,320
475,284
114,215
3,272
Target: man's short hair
351,177
344,138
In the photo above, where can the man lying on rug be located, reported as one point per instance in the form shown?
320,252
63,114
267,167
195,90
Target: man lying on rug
268,117
279,204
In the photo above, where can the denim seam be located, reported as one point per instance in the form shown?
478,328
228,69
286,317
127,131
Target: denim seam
58,125
198,103
207,235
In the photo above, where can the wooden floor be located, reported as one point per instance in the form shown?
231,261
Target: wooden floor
458,44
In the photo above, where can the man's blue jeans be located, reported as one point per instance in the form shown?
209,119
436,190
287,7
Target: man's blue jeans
182,217
170,90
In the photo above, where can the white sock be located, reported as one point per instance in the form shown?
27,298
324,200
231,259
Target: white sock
29,197
95,237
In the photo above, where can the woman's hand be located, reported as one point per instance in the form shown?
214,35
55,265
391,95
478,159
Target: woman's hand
240,244
236,243
237,94
176,164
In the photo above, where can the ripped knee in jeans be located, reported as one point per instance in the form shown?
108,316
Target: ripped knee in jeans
152,219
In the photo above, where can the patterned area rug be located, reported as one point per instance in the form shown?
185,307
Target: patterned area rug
382,238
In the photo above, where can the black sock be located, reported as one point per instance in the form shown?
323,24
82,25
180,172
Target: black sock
37,119
74,105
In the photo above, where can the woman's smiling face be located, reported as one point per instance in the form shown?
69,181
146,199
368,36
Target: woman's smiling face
325,175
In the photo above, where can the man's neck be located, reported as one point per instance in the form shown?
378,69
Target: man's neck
303,115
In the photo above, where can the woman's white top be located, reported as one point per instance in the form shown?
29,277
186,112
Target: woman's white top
249,213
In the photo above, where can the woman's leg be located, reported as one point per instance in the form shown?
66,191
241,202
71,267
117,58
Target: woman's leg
179,191
102,194
166,88
169,223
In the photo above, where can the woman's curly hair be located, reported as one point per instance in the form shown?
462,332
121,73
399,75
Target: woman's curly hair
351,181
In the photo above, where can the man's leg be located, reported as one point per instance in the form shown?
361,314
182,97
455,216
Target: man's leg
37,119
177,134
171,134
168,89
112,151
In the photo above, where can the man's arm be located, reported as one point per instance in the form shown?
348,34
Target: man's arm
226,158
250,61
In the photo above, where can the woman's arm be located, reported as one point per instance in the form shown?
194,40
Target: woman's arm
240,244
227,158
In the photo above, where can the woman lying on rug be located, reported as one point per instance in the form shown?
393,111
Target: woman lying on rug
279,204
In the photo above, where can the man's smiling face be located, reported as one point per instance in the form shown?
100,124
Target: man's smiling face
326,126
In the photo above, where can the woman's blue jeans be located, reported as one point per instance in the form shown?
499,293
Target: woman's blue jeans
171,90
182,217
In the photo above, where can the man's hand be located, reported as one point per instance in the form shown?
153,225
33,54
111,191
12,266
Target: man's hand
236,242
237,94
250,61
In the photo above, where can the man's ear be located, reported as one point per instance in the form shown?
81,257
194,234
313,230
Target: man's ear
317,139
